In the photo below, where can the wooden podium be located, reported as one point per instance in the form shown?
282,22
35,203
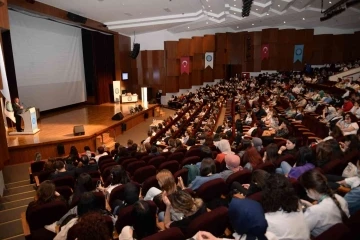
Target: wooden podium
30,122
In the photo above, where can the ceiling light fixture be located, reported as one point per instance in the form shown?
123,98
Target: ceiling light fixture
210,10
303,18
284,22
330,2
234,13
253,24
188,27
207,22
256,9
234,5
279,5
209,6
267,14
237,27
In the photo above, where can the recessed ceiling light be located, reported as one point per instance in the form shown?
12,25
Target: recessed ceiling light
256,9
237,27
188,27
279,5
207,22
253,24
207,0
234,5
284,22
303,18
209,6
235,13
210,10
267,14
330,2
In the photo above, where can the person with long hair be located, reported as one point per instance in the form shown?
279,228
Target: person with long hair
118,176
257,183
282,209
327,151
207,173
351,143
166,182
144,222
330,208
182,202
83,184
271,153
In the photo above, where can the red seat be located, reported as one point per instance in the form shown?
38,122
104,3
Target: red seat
103,158
243,176
127,162
99,198
211,190
169,234
141,174
193,152
255,196
337,232
37,166
117,193
266,166
190,160
107,164
172,166
214,222
146,158
64,181
183,173
132,167
156,161
178,156
149,183
353,224
125,217
65,191
104,162
165,154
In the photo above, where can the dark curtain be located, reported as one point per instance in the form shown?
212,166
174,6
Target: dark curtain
9,64
99,64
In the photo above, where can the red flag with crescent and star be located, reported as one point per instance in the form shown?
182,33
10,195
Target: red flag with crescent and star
265,51
185,65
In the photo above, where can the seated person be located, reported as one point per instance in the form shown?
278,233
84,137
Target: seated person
61,171
101,151
84,166
347,126
184,203
232,162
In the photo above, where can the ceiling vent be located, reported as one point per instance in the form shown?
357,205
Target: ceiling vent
128,14
167,10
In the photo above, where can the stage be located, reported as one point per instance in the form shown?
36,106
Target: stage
57,128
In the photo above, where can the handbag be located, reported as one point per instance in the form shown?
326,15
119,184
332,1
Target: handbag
350,170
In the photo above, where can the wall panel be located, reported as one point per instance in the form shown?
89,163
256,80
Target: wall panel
196,45
208,75
184,81
171,48
184,48
209,43
172,67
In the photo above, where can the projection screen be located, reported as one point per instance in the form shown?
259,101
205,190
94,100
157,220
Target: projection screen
48,60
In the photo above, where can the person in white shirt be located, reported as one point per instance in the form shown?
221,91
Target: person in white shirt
330,208
356,109
346,126
147,140
282,209
101,151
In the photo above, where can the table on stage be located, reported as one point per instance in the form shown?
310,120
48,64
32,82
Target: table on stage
129,98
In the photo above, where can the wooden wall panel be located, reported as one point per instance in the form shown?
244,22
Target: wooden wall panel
220,41
257,51
51,11
196,77
172,84
4,15
172,67
158,58
219,71
196,45
171,48
232,43
198,61
208,75
184,48
209,43
220,57
184,81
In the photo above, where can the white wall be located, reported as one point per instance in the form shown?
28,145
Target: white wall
155,40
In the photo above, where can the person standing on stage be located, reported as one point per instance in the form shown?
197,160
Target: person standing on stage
18,109
158,97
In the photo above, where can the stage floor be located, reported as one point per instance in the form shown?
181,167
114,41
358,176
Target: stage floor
59,125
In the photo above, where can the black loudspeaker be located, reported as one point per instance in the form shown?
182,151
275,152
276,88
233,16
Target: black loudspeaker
150,94
123,127
60,149
79,130
135,51
76,18
119,116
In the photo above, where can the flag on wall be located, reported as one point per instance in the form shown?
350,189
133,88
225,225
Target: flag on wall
298,52
265,51
209,59
185,65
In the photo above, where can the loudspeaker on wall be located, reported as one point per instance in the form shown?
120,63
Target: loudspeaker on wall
119,116
135,52
79,130
60,149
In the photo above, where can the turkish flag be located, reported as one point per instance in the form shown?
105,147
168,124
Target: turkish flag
264,51
185,65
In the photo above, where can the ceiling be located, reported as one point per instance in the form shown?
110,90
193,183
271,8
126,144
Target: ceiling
141,16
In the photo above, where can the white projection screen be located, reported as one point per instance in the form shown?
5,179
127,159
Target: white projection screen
49,62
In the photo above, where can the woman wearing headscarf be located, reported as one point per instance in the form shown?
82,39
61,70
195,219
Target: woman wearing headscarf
248,221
